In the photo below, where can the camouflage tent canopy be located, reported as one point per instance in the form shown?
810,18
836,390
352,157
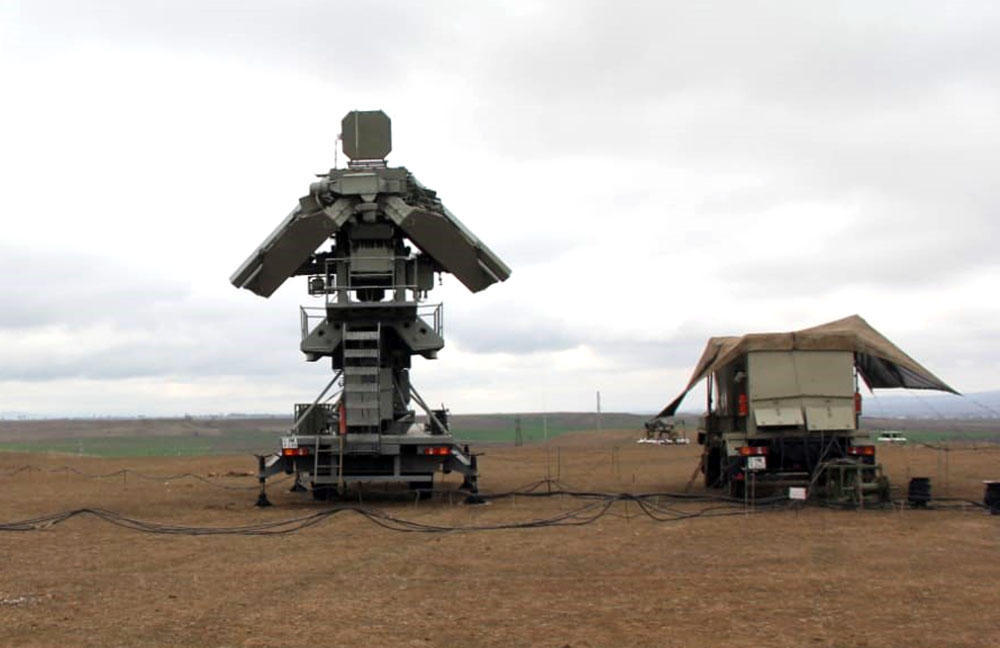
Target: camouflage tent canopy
879,362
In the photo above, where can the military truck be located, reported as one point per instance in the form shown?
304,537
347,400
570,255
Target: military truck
662,431
370,240
783,408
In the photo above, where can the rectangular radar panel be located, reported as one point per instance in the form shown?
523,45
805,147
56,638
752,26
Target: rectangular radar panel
289,246
443,237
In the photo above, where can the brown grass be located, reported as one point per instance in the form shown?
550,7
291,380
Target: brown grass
810,578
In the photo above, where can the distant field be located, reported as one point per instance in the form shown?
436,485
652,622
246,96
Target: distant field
938,429
234,442
501,428
142,437
225,436
195,437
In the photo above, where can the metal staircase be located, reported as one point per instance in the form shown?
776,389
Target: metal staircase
361,350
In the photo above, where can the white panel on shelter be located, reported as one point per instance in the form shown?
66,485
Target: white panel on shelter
831,417
772,416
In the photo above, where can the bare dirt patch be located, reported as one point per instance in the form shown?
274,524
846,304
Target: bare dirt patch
815,577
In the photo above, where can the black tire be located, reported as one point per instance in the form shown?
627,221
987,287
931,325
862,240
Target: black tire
322,493
737,488
712,468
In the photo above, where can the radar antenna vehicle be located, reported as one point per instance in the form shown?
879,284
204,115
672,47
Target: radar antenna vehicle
370,239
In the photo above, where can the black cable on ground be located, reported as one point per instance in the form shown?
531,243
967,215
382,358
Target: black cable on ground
598,505
555,487
580,516
144,476
583,515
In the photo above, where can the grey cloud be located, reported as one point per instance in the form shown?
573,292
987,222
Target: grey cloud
677,351
534,73
152,326
849,104
347,41
156,358
609,56
909,251
40,287
515,331
504,328
522,250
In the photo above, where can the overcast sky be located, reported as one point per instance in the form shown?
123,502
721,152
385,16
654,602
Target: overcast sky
654,173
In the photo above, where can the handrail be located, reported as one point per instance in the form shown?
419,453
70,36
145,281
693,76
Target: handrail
324,284
308,315
436,313
306,413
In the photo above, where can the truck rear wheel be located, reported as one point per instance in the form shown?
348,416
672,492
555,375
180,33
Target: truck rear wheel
712,468
322,493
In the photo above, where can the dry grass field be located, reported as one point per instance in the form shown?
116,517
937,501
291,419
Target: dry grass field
815,577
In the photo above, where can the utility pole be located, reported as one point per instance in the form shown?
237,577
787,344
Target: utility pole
545,418
598,410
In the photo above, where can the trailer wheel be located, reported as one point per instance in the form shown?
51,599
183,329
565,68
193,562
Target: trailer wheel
322,493
736,488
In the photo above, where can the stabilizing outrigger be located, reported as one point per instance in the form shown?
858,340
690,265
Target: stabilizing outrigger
389,235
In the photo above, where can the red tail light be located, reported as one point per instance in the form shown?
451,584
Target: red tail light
295,452
438,451
857,402
748,451
861,451
743,408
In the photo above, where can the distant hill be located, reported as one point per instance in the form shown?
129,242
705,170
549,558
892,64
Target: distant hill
933,405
